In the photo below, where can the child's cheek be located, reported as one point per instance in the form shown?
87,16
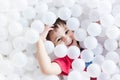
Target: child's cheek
59,43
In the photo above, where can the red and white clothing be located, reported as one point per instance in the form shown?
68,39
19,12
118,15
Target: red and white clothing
66,65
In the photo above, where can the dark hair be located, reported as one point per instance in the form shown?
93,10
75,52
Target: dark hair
55,26
59,21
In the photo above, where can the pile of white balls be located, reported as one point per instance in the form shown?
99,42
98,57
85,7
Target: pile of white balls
21,22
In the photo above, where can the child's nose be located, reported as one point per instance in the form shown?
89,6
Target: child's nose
66,39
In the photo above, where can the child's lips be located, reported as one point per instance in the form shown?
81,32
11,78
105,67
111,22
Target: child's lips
70,43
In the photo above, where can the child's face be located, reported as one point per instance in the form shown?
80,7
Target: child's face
62,35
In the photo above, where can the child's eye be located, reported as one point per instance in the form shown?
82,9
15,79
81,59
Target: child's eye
66,32
58,39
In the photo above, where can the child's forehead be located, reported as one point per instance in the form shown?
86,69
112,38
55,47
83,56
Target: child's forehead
59,28
57,32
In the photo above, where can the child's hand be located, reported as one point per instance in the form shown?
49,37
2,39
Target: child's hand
43,35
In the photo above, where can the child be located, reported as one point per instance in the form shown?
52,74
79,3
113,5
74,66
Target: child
58,34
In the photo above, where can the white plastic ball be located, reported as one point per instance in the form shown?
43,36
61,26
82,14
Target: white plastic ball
18,71
98,50
80,34
21,5
31,49
73,52
113,32
109,67
90,42
107,20
49,46
116,77
118,51
94,70
6,67
87,55
58,3
31,64
99,59
47,1
31,36
52,77
101,40
32,2
117,20
1,57
29,13
92,3
36,75
5,47
49,18
3,20
81,2
76,10
104,76
26,78
3,34
85,23
60,50
70,3
112,1
13,15
64,13
94,29
110,44
37,25
54,10
103,33
4,5
78,64
104,7
73,23
19,43
94,15
116,10
41,8
19,59
24,22
74,75
2,77
15,28
85,75
114,56
13,77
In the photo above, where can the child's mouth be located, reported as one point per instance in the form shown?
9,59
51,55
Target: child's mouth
71,42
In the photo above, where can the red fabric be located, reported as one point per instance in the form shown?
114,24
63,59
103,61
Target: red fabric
65,64
93,78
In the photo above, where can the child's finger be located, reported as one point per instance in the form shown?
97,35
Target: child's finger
48,28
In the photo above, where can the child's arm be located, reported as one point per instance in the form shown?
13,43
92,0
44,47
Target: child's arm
44,61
